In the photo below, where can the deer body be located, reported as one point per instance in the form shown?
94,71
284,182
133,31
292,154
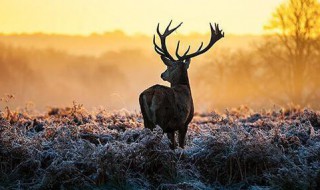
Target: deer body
172,107
169,107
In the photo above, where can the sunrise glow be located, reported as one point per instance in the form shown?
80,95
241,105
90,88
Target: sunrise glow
141,16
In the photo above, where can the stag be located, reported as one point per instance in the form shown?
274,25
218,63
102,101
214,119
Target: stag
171,108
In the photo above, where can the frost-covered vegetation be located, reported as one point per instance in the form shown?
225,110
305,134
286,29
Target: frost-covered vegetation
72,148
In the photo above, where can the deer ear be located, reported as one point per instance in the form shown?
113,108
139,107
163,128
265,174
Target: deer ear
166,61
187,62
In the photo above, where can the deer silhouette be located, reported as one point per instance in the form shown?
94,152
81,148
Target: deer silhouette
172,107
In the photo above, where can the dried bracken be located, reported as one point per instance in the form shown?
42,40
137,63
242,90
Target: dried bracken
72,148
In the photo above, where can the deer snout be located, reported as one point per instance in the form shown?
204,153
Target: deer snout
165,76
162,75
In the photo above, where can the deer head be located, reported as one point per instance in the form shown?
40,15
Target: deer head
177,68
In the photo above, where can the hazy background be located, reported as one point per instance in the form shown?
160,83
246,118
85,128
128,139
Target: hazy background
100,53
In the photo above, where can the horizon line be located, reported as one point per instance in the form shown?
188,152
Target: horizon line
119,31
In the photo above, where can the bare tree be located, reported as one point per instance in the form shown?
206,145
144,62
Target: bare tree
291,52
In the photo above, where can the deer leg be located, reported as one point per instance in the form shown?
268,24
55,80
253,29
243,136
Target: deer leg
147,122
182,137
173,143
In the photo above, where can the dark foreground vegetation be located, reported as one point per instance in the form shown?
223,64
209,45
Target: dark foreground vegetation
71,148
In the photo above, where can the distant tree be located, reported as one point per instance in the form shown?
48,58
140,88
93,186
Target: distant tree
291,53
226,78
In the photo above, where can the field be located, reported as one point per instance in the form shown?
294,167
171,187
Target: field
71,148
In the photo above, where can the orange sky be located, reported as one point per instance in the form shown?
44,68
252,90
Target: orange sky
138,16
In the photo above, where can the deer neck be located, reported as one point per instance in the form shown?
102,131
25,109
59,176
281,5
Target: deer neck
182,80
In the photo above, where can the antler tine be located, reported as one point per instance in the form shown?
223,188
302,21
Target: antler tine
217,29
177,51
158,29
163,50
216,34
186,51
175,28
167,29
156,47
200,46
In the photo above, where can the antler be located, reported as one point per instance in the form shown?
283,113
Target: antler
216,34
163,50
